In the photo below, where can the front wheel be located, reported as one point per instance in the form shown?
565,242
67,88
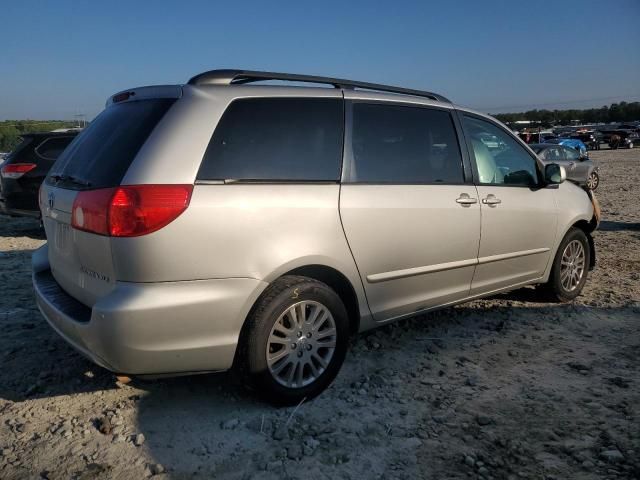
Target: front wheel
295,340
570,265
593,181
630,145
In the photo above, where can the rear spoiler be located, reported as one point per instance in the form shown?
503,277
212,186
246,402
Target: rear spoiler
142,93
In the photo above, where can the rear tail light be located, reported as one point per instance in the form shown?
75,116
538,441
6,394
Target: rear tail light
16,170
129,211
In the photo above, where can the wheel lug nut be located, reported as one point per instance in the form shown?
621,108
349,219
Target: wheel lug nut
299,354
309,347
299,334
309,335
294,346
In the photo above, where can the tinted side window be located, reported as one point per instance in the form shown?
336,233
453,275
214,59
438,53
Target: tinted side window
399,144
51,148
277,139
501,161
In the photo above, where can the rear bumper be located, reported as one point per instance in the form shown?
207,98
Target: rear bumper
17,212
153,328
18,199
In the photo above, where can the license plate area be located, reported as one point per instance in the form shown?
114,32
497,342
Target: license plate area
62,237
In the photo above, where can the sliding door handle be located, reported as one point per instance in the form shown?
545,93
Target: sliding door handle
491,200
466,200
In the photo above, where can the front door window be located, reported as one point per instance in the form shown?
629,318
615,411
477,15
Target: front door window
500,159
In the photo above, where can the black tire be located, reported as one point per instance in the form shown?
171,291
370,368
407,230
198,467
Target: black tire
252,354
554,288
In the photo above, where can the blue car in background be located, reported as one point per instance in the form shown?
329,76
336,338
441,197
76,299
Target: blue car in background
571,143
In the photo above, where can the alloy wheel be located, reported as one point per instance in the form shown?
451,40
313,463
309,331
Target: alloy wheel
301,344
572,265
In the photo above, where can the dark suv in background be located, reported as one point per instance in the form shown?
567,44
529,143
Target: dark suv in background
24,169
621,138
592,139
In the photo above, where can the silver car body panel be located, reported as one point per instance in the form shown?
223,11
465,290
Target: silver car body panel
516,237
573,206
157,327
175,300
414,245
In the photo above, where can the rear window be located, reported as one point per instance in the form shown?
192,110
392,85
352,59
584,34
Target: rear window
100,156
277,139
51,148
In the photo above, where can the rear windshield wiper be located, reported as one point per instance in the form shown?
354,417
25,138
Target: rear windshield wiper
70,178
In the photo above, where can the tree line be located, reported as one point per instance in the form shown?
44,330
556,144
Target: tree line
10,130
616,112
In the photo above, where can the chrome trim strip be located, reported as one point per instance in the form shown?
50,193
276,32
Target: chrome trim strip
439,267
507,256
411,272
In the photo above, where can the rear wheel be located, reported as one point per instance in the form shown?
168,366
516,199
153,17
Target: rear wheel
570,266
593,181
295,340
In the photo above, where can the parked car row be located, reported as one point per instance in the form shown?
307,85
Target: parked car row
621,138
590,139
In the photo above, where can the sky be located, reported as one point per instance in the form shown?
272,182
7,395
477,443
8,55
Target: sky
64,58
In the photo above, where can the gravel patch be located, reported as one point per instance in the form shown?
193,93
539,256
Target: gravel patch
505,388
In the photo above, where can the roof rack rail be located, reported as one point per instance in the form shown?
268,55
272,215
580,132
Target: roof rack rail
239,77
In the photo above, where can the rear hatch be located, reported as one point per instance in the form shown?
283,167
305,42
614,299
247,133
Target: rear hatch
98,159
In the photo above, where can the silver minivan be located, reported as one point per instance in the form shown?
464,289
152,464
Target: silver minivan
228,222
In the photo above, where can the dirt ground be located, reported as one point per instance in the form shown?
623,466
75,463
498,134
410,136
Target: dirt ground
507,387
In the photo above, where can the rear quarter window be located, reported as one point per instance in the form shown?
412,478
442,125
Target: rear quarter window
100,156
277,139
51,148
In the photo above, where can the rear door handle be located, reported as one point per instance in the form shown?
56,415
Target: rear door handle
466,200
491,200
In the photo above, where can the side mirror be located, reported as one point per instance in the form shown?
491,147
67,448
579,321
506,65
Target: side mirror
583,155
554,174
